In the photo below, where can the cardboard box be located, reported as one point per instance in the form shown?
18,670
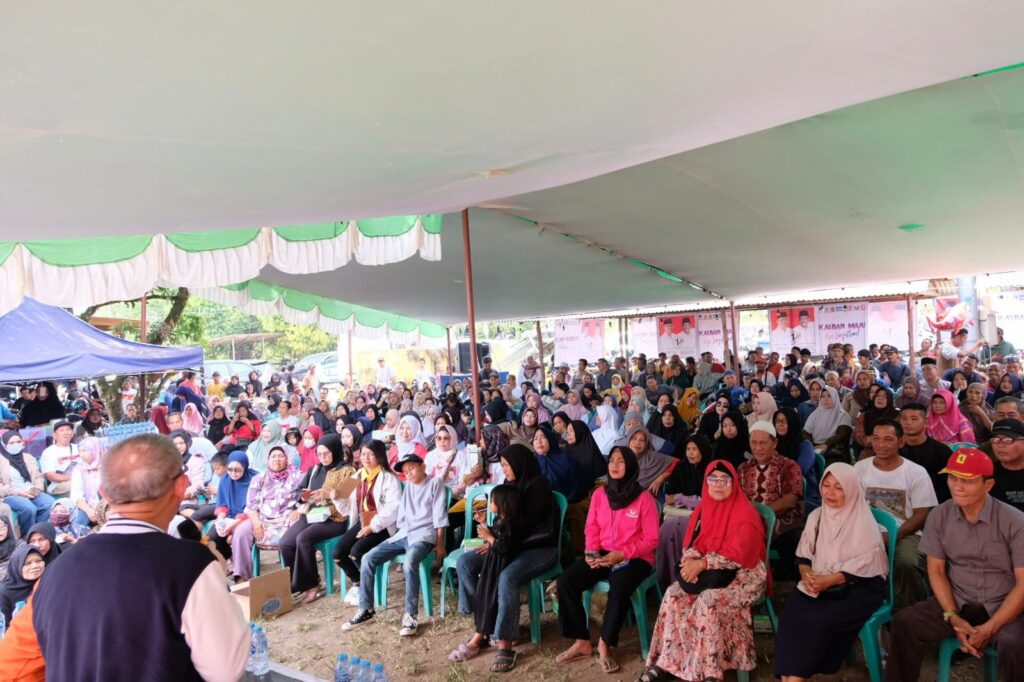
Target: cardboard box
265,596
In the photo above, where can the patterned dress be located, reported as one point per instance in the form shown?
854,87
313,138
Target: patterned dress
699,636
273,498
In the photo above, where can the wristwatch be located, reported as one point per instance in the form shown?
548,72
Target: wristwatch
948,615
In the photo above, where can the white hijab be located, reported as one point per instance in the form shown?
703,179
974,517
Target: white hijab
824,421
606,435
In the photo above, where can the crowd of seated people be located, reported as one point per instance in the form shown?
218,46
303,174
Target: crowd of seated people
665,469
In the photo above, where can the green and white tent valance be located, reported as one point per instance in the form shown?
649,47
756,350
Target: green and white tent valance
334,317
89,271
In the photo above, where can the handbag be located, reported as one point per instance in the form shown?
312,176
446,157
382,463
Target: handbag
709,579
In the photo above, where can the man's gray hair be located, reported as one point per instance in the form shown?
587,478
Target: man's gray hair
139,469
1007,399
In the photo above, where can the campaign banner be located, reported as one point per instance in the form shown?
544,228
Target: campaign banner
792,327
840,323
677,335
1009,310
709,333
645,335
887,323
754,327
575,339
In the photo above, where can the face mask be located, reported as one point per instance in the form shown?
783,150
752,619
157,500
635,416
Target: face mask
15,449
59,518
308,442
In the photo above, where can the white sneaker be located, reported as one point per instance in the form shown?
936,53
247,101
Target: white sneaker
352,596
409,626
360,618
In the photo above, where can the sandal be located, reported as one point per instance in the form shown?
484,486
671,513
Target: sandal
463,653
504,660
608,665
570,655
652,674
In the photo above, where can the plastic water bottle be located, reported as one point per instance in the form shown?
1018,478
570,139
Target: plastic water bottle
252,651
3,626
354,668
260,652
17,609
378,673
341,669
367,674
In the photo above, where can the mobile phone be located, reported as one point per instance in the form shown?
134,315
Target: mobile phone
593,555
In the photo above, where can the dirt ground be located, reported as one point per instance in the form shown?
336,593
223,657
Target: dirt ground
309,638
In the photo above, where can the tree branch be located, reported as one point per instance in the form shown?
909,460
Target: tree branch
161,333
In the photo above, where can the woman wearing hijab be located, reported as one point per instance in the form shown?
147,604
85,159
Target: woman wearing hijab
8,543
711,421
795,394
523,432
763,406
43,536
946,423
682,490
669,425
270,437
533,400
582,448
44,408
790,442
910,393
974,407
621,534
216,426
409,440
158,415
733,442
89,426
689,408
192,420
268,510
655,467
815,387
23,571
537,553
572,406
703,625
564,474
307,447
860,398
232,492
183,395
607,432
85,481
496,411
882,406
234,388
451,464
829,426
22,486
193,464
1009,386
843,566
244,428
316,519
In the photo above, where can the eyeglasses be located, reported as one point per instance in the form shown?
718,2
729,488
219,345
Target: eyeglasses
235,470
718,480
1003,440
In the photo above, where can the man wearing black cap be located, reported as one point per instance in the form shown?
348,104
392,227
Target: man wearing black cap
932,381
422,519
1008,447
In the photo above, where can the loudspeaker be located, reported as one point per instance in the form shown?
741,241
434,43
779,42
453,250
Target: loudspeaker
483,349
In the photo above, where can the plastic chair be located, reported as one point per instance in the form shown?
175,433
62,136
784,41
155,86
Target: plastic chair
638,600
535,588
448,566
256,557
990,660
326,549
768,517
883,615
819,465
382,575
961,444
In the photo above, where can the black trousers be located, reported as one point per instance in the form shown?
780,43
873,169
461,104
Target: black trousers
580,577
298,545
916,625
785,545
204,513
349,552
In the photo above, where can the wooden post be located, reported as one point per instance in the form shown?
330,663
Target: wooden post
351,364
451,367
540,352
471,315
911,333
143,334
725,336
734,319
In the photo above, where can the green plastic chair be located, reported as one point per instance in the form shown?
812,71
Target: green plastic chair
256,558
638,600
883,615
326,549
382,575
819,465
768,517
448,566
535,588
990,660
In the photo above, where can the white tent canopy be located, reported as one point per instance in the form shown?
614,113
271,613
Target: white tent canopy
752,149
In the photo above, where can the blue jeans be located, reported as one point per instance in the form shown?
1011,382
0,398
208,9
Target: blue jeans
528,565
385,551
30,512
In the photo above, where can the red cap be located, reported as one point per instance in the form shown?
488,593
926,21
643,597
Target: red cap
969,463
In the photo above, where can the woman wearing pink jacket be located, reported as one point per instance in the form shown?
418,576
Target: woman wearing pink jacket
621,534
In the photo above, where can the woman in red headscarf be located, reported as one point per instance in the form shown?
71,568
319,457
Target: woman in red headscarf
703,626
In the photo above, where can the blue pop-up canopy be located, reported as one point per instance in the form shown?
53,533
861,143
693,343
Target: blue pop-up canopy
45,342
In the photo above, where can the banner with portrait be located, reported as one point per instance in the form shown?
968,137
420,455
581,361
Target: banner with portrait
677,335
575,339
840,323
644,331
887,323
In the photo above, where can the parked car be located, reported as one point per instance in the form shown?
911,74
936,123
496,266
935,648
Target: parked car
302,366
226,369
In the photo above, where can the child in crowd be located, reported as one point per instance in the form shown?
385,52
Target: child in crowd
422,520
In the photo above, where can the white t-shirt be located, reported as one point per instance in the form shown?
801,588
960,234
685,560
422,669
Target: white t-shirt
289,422
58,459
899,491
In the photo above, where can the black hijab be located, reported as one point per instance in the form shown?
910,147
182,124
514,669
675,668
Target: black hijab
733,450
686,478
497,409
215,425
586,451
623,491
8,544
523,464
42,411
316,476
50,533
676,434
14,588
789,445
872,414
187,437
17,461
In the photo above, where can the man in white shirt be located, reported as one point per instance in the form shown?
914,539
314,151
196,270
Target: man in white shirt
57,461
904,489
953,351
423,376
285,418
384,376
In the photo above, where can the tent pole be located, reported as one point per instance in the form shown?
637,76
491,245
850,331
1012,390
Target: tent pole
540,351
735,339
911,360
471,314
451,368
725,336
351,364
143,329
